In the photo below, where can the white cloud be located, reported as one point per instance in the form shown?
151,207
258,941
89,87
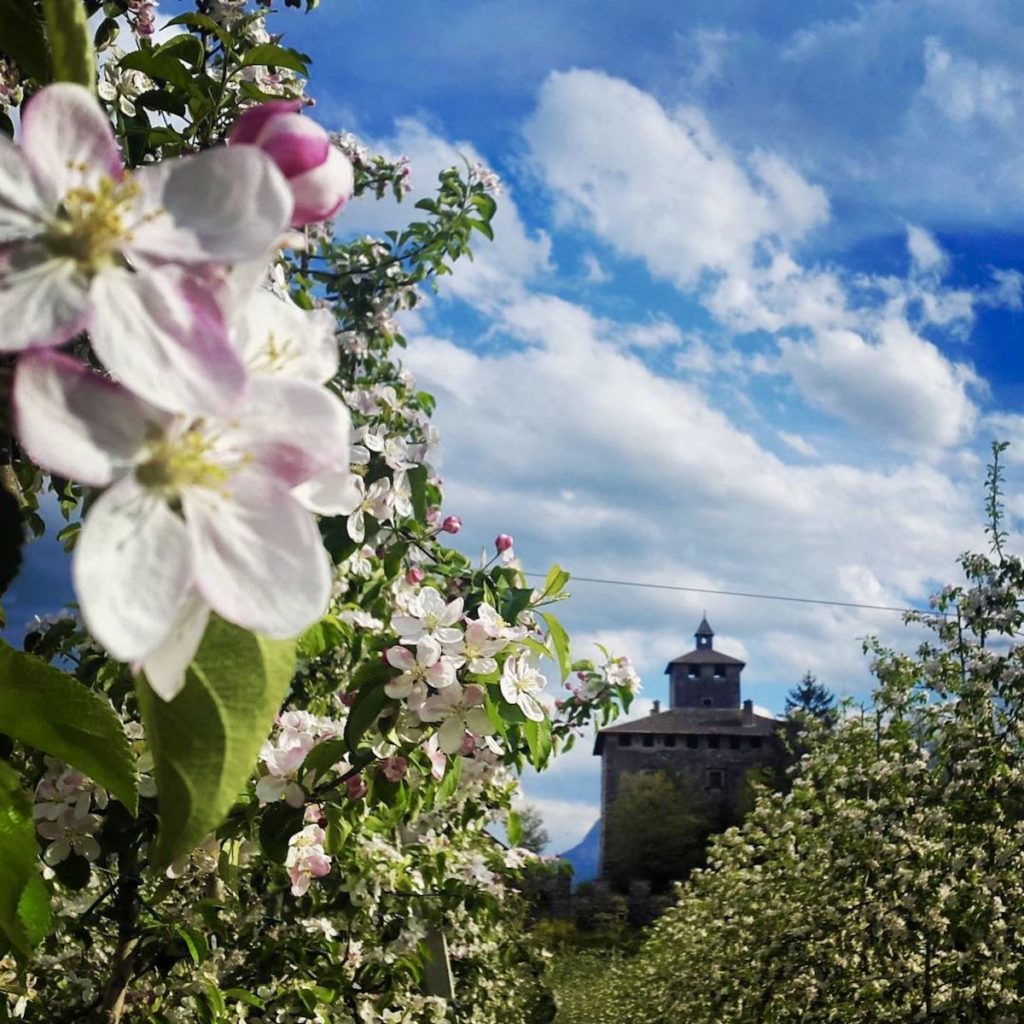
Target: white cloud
799,444
659,185
963,89
899,386
926,255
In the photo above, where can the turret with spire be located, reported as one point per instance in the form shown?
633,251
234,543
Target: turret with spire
704,677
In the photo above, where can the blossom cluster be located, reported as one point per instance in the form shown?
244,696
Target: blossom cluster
211,433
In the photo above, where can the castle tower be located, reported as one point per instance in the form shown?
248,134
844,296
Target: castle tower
704,677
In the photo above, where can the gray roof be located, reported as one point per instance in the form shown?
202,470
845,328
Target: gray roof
707,656
704,629
694,722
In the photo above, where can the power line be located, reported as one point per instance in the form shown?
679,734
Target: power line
735,593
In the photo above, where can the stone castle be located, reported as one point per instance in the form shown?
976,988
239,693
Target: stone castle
708,735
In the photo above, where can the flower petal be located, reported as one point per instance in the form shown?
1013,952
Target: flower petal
331,493
21,209
131,570
67,140
74,422
258,556
450,735
291,428
251,123
275,336
224,205
165,667
321,192
164,336
43,301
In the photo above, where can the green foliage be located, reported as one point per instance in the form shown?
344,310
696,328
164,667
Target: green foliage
23,33
205,741
656,829
70,38
56,714
811,698
24,903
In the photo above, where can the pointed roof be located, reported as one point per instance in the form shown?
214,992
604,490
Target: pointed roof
704,653
704,629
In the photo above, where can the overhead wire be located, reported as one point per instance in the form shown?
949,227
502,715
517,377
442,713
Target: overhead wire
736,593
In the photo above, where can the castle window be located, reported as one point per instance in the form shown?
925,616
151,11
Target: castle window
694,672
713,742
734,743
648,741
707,702
670,741
755,741
719,671
625,741
716,779
692,742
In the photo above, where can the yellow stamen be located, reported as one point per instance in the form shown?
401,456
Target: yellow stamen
181,462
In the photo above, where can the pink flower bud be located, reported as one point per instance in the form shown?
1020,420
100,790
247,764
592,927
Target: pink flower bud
503,542
348,698
452,524
414,576
394,768
355,787
319,174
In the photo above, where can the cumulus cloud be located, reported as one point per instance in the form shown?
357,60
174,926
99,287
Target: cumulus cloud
964,89
659,185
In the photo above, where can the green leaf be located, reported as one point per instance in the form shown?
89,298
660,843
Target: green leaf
326,755
514,829
185,47
204,24
555,582
538,739
53,712
24,906
278,824
71,50
560,642
417,477
322,636
161,66
450,782
276,56
205,742
24,39
369,703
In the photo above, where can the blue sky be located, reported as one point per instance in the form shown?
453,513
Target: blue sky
753,314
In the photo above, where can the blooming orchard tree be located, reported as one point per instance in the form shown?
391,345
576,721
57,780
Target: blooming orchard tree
249,778
888,885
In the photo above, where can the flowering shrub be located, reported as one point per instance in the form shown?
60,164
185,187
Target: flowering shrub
251,778
888,885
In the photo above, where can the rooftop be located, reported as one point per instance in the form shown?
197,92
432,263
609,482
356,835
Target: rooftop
694,722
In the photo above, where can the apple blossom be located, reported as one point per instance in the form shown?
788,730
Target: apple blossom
319,175
197,515
477,649
522,684
460,710
306,858
426,668
452,524
430,616
86,244
503,542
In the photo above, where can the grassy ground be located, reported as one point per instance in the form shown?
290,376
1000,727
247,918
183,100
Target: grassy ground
580,979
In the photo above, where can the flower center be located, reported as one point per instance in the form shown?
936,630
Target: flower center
180,462
91,225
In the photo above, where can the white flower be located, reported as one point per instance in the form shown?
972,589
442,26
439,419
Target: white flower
430,616
495,626
306,858
477,650
425,668
86,244
460,710
199,514
376,500
522,684
74,829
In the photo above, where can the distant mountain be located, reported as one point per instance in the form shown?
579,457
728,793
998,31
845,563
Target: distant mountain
584,856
